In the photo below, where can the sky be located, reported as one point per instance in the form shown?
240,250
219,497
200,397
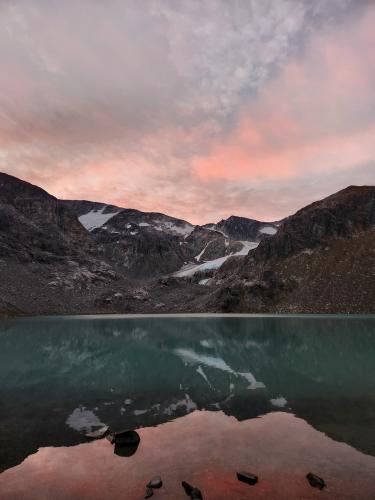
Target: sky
198,109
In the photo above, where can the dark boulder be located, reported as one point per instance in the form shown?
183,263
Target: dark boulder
155,483
247,477
126,442
191,491
315,481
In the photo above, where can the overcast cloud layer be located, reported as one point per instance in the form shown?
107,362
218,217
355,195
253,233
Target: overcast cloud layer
200,109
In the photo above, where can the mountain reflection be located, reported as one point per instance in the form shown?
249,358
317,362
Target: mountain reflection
61,377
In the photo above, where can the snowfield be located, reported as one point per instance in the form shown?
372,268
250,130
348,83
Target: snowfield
96,218
268,230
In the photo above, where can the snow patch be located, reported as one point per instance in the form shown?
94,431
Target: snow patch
268,230
204,282
96,218
184,230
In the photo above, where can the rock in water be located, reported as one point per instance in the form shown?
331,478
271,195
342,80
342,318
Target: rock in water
315,481
149,492
126,442
155,483
193,493
247,477
124,438
99,433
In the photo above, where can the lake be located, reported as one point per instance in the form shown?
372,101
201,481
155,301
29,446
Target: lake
278,395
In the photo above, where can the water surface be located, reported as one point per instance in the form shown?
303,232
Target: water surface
61,377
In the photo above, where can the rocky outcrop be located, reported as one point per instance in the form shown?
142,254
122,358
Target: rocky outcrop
341,215
241,228
34,226
320,260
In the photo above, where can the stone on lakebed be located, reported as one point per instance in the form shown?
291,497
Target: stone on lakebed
247,477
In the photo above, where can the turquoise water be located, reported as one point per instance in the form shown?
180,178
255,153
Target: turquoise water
62,377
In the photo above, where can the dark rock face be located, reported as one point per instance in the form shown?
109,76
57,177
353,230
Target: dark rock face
34,225
341,215
149,254
48,261
318,261
81,207
241,228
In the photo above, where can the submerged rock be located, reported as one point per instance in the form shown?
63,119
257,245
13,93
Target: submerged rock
191,491
247,477
124,438
155,483
315,481
126,442
149,492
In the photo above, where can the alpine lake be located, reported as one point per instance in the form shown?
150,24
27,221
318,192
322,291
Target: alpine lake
208,395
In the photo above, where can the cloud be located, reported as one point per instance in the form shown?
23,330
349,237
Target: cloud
194,108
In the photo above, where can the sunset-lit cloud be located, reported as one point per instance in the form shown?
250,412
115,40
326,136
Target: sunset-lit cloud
199,109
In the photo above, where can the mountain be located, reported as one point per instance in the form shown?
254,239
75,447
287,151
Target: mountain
45,253
322,259
83,256
71,256
150,244
34,225
241,228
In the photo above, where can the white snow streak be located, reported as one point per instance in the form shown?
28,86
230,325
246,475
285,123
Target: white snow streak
191,269
198,257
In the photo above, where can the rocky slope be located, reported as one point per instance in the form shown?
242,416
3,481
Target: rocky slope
87,257
151,244
82,256
48,261
241,228
322,259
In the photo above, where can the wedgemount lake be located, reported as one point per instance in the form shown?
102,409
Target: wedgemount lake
287,400
277,396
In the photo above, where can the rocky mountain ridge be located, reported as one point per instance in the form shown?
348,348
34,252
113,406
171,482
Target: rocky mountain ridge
66,256
322,259
82,256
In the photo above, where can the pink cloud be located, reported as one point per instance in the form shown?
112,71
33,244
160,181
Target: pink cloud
315,116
